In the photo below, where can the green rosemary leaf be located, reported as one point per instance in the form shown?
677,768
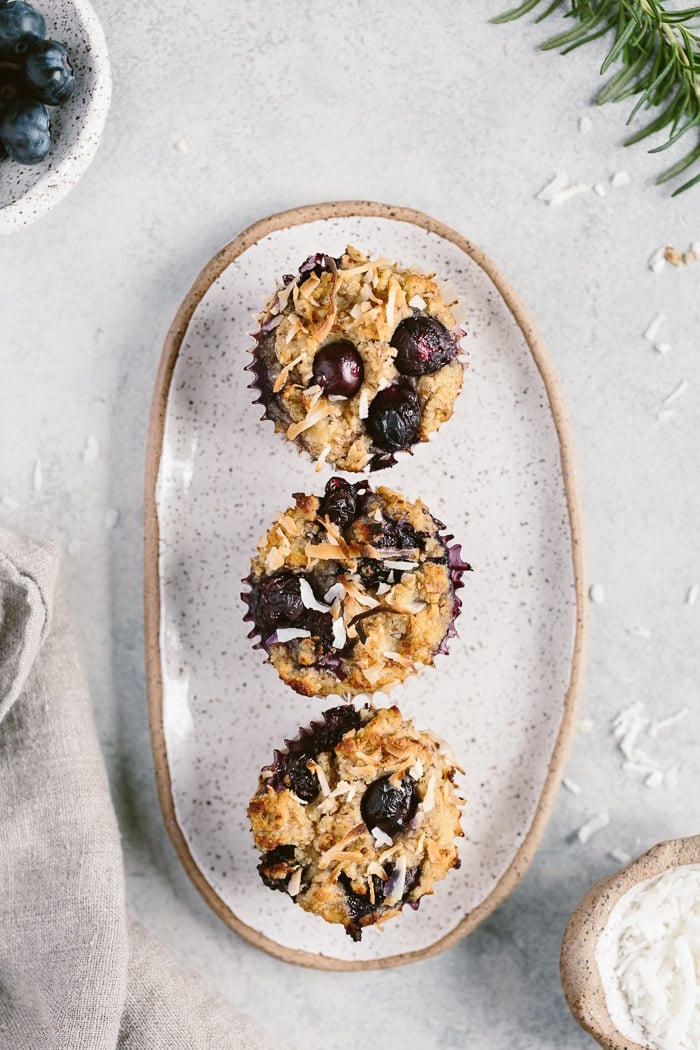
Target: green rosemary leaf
617,87
657,55
646,95
516,12
687,185
617,48
676,135
661,122
680,165
550,10
562,39
586,40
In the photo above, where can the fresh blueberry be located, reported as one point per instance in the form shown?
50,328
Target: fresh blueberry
339,502
387,807
292,774
422,346
11,87
25,131
274,866
338,369
48,72
20,23
400,535
276,601
394,417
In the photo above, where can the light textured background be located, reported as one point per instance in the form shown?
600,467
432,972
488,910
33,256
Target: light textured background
428,106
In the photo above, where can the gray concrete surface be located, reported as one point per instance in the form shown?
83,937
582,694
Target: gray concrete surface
427,106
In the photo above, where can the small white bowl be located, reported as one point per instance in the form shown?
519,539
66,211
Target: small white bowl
580,976
27,193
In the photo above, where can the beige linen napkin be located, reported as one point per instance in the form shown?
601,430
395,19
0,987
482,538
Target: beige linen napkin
75,973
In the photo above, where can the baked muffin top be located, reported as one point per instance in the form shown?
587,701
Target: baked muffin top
357,817
357,359
353,591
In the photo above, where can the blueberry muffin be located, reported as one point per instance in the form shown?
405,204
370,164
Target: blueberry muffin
353,591
357,817
356,359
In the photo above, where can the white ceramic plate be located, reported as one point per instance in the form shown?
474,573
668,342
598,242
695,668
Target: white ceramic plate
498,474
28,192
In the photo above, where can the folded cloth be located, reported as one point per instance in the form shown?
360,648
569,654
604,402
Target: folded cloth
75,973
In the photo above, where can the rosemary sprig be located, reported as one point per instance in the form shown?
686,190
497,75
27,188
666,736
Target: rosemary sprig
658,57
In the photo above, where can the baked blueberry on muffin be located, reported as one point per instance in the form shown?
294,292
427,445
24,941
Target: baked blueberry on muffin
353,591
356,359
357,817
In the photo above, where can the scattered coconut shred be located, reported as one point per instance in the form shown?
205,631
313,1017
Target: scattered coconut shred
649,957
631,724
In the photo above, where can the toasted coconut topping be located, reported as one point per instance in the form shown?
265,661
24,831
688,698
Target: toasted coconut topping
284,373
308,598
291,634
315,416
322,779
323,552
396,883
338,848
294,884
429,798
381,838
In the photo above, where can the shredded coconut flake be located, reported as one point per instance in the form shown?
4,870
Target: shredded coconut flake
381,837
619,179
417,303
566,195
658,260
284,373
649,960
620,855
291,634
555,185
596,593
571,786
322,778
662,348
692,594
310,420
599,188
38,478
677,392
597,823
653,327
396,883
294,884
584,125
340,635
91,452
308,598
429,799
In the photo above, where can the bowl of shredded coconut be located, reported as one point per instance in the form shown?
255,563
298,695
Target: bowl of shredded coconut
630,960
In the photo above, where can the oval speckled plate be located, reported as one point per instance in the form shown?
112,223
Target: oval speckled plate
499,474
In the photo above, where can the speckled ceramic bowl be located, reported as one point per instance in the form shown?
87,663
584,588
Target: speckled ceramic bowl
27,193
580,975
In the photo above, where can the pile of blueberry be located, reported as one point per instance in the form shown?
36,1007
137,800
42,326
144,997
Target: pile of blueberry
34,73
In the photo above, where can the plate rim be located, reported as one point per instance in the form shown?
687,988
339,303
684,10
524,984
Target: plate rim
152,604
